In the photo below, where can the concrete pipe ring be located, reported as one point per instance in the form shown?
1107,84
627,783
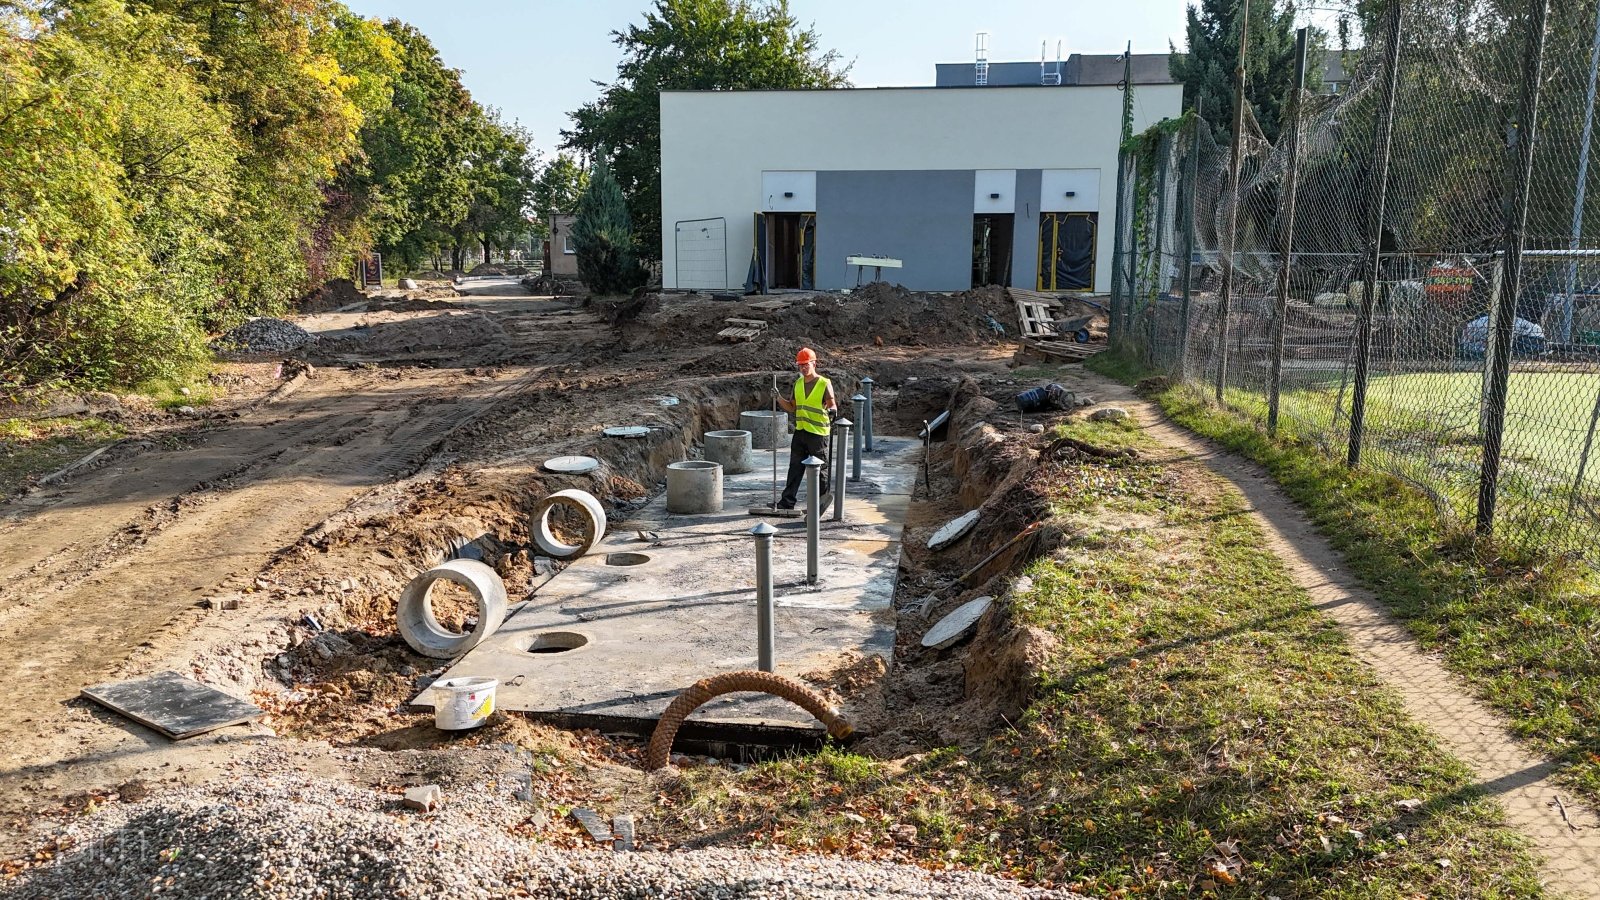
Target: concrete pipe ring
694,487
590,511
766,428
731,449
421,628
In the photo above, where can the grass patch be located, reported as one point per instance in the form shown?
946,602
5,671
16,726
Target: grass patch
31,447
1523,626
1202,731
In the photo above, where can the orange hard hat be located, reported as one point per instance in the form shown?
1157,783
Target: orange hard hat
806,355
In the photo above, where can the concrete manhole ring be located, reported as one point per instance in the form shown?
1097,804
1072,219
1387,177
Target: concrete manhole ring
953,531
626,431
421,628
590,513
572,465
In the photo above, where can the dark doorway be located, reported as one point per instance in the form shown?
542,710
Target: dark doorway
991,249
792,260
1066,251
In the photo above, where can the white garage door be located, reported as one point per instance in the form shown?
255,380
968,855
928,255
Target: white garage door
702,248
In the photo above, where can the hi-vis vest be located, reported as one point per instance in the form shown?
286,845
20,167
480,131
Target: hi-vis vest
809,413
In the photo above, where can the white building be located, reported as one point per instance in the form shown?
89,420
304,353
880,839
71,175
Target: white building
982,185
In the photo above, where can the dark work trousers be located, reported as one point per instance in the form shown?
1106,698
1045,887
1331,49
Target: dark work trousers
803,445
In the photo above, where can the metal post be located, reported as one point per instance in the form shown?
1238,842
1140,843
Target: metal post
766,643
1161,267
860,403
1286,232
866,425
1511,282
1376,196
1225,298
1583,459
838,467
1192,177
813,514
1119,297
1583,183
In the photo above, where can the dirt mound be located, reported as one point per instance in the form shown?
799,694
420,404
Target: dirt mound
264,335
487,269
881,314
337,293
434,275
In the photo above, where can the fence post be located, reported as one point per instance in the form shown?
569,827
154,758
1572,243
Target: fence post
1583,183
1193,179
1511,280
1154,305
1225,298
1381,133
1286,233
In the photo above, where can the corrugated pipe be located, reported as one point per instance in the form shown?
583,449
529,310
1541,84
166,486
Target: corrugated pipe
660,751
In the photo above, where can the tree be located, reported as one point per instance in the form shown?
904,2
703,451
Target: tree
1206,67
557,189
602,236
691,45
501,175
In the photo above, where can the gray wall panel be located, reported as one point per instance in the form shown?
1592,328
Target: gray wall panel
923,218
1025,250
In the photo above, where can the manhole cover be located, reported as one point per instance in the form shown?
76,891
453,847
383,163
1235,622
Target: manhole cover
556,642
627,431
572,465
953,531
627,559
951,628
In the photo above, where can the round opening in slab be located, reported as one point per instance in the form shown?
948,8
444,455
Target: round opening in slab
627,559
556,642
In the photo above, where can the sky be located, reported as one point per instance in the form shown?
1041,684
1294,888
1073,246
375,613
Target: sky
537,60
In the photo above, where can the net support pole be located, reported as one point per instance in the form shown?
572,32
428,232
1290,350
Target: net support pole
1286,232
1154,305
1511,282
1236,146
1583,183
1192,180
1119,252
1381,134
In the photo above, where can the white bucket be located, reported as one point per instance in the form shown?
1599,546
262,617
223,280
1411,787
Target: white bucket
462,703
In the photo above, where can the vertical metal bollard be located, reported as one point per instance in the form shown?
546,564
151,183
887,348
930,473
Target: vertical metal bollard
860,402
813,514
866,426
838,467
766,643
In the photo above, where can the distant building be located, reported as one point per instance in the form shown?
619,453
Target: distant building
1104,68
559,257
963,186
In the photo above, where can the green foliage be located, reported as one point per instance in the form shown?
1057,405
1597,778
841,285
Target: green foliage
602,237
1212,53
557,189
690,45
175,165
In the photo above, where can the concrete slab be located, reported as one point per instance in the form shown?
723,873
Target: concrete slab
653,627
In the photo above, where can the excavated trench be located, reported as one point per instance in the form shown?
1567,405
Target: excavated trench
350,682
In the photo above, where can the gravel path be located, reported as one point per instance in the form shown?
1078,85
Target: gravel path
283,836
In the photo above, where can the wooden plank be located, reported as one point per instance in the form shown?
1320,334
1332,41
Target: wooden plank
176,706
758,324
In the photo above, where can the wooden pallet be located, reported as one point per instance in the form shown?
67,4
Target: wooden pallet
741,329
771,305
1060,351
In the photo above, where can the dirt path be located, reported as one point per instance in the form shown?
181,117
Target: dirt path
1520,780
108,561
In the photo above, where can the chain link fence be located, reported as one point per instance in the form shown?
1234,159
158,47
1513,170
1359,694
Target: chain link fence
1472,370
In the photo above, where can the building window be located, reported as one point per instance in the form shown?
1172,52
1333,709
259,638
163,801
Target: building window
566,245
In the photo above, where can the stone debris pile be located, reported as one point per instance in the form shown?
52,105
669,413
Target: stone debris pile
288,836
264,335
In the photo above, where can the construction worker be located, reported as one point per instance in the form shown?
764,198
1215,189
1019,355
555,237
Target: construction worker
812,406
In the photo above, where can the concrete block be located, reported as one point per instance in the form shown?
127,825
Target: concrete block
424,799
622,829
732,449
